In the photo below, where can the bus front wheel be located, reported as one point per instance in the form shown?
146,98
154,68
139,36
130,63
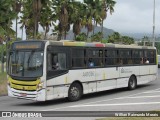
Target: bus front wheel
132,84
75,92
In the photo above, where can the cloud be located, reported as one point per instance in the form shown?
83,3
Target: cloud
133,16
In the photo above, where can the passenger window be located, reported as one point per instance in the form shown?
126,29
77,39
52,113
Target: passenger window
151,56
78,58
56,61
136,57
111,57
95,57
125,57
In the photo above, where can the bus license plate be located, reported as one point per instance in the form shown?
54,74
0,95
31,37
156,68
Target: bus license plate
23,94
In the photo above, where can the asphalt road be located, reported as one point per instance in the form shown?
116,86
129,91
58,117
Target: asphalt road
144,98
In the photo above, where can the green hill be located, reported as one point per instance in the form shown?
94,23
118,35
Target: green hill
106,32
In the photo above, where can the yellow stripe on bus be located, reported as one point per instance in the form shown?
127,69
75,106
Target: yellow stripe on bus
20,87
23,82
23,85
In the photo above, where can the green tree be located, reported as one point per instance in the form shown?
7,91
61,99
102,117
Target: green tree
114,38
31,15
27,18
17,8
77,17
117,38
145,41
94,11
66,13
61,9
81,37
107,6
88,16
96,37
46,18
127,40
6,17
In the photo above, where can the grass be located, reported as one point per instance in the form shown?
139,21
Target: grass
3,84
131,118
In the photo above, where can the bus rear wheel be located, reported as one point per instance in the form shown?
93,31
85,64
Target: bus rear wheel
75,92
132,84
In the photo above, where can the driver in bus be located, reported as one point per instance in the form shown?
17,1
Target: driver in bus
56,65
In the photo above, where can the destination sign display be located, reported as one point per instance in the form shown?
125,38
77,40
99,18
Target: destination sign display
27,45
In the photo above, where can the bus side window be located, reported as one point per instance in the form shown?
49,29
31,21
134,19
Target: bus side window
56,61
111,57
62,61
78,58
49,62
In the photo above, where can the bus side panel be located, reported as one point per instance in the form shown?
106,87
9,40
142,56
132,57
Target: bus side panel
57,87
106,78
106,85
153,72
147,73
125,73
86,77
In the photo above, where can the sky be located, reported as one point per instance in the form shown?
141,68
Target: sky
131,16
134,16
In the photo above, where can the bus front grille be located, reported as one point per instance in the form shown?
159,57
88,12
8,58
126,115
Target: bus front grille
23,85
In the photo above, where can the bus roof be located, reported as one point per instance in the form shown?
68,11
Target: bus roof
89,44
97,44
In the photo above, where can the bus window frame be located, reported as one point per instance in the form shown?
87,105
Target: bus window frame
55,49
88,57
71,58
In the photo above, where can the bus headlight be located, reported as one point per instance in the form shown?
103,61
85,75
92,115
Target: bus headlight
40,86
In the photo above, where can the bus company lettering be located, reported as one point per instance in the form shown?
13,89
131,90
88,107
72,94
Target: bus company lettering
88,74
126,70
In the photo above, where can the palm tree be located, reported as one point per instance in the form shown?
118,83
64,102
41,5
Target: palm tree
17,8
46,18
107,6
6,17
31,15
37,5
61,10
76,17
27,19
87,19
88,16
95,6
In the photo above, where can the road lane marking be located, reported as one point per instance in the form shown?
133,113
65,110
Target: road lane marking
153,92
56,108
139,97
99,101
120,104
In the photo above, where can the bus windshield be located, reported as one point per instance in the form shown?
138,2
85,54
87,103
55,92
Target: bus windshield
26,63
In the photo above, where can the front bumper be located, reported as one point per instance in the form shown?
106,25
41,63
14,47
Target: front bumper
30,95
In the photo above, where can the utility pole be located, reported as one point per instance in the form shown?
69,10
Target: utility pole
153,35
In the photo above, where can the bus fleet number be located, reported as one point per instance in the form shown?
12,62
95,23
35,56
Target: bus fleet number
88,74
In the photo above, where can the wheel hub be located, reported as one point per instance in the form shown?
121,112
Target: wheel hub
74,92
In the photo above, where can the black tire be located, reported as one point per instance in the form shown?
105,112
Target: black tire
75,92
132,83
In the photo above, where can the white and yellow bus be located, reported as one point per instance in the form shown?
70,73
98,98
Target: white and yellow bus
45,70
